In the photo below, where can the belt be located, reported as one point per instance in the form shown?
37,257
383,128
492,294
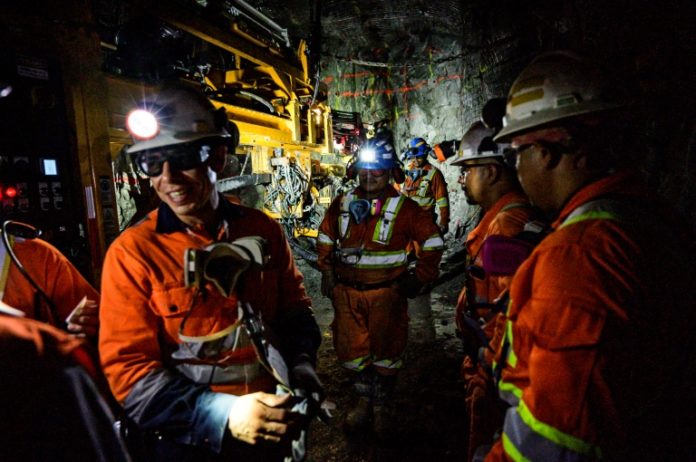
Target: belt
362,286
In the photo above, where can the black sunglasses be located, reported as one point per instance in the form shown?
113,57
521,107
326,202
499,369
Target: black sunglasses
180,157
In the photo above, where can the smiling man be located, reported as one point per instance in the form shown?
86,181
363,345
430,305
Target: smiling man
178,358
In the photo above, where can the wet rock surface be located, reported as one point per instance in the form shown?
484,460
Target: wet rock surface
429,398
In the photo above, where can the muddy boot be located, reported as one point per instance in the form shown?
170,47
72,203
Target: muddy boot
383,420
359,417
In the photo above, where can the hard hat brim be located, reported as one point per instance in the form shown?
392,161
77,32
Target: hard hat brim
548,116
162,140
475,160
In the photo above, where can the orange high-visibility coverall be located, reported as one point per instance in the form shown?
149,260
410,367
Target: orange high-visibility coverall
56,276
165,382
506,217
371,319
600,321
429,191
50,407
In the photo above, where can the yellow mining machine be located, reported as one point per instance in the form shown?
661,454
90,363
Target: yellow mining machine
71,71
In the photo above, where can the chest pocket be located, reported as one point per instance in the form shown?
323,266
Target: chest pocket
425,183
203,314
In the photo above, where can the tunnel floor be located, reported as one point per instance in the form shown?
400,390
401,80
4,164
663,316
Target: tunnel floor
429,397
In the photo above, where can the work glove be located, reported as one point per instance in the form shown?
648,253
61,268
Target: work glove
328,282
410,286
305,377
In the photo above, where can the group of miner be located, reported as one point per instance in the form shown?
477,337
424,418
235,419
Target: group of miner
576,318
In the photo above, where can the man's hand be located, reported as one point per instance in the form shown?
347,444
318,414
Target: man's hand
409,285
328,282
444,228
84,319
259,417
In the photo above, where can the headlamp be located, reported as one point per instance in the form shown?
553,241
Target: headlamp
368,155
142,124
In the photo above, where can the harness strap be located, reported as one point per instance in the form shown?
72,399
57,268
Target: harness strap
5,261
385,225
344,217
425,182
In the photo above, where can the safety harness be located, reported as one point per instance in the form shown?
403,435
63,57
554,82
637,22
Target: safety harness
421,197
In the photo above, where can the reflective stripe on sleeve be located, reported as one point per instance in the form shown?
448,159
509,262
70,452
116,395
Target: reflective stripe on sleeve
423,201
526,438
324,239
207,374
443,202
434,242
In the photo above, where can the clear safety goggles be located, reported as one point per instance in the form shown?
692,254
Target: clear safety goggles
180,157
414,152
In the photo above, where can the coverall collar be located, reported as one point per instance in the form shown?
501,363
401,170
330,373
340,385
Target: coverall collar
478,235
168,222
623,183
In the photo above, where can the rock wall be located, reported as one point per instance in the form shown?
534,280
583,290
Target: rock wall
428,67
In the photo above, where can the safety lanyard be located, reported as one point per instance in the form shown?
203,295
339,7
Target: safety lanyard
344,218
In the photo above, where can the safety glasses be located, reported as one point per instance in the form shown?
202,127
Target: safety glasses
464,170
180,157
378,172
375,172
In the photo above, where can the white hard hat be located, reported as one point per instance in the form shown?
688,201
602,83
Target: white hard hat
175,115
555,85
477,144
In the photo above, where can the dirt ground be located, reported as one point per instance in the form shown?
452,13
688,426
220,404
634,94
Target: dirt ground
429,395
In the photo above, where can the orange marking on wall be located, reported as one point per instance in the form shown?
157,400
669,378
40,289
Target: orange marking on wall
357,74
388,91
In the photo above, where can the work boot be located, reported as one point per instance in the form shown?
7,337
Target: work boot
358,418
382,421
383,415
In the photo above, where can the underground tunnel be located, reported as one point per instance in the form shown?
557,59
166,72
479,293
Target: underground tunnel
306,84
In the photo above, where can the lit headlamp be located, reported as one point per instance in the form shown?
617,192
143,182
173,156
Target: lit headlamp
368,155
142,124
